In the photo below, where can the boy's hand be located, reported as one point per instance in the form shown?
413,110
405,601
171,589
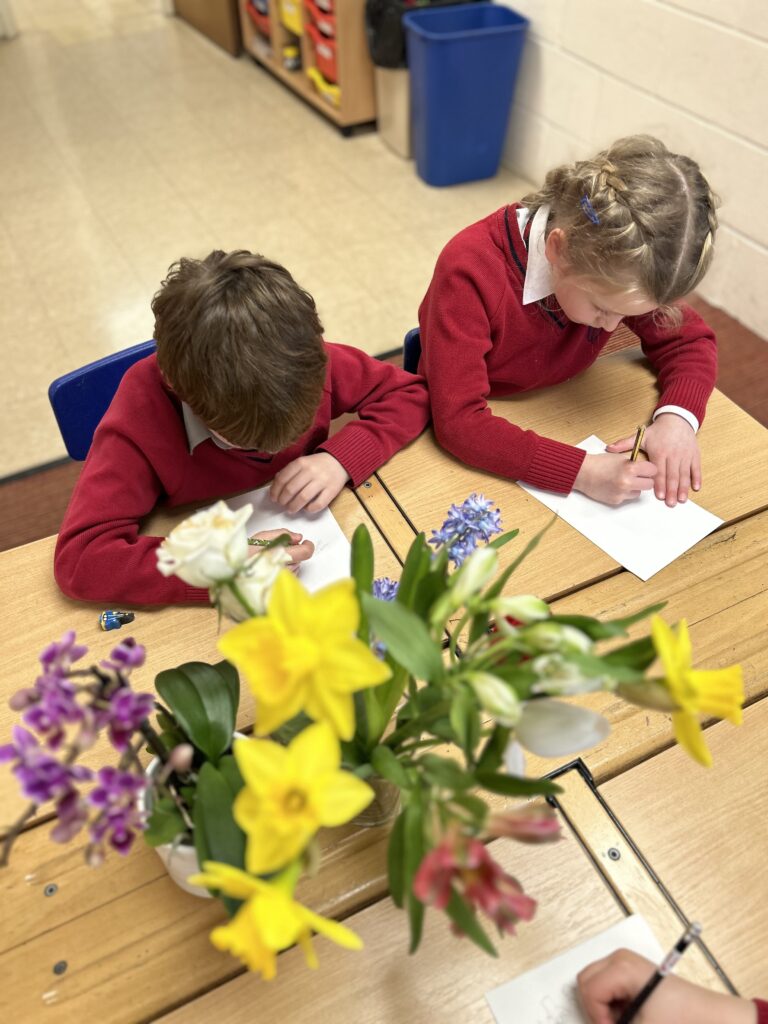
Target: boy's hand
613,479
670,442
310,482
299,550
607,986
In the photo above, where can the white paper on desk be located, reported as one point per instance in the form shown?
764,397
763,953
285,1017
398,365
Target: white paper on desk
547,994
331,559
643,535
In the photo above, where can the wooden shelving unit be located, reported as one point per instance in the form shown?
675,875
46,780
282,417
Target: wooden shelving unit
355,71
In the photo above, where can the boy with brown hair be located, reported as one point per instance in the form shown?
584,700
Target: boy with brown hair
242,390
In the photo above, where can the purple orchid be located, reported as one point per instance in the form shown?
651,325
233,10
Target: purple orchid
119,819
41,776
126,656
127,710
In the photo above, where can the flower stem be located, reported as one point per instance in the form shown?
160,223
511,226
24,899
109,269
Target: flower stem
238,594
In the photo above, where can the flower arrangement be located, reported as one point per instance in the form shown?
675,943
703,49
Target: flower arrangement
416,697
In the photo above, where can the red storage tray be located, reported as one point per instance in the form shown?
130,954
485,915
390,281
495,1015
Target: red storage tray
261,21
325,22
325,53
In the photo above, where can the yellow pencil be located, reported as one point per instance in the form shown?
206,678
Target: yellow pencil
638,442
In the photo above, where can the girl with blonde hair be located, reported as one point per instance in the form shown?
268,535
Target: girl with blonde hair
529,296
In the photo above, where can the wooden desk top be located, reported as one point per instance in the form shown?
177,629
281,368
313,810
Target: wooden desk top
706,834
721,588
135,945
448,977
35,612
609,400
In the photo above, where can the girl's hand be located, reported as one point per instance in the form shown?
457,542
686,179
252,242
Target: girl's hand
671,445
613,479
608,985
299,550
310,482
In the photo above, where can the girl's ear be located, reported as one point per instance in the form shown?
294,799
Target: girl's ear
555,248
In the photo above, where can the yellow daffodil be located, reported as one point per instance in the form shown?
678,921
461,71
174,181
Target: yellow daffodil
303,655
290,792
719,693
268,921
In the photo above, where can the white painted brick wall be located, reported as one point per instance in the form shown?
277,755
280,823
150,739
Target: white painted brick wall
693,72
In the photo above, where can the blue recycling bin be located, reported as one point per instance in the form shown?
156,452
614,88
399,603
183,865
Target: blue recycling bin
463,62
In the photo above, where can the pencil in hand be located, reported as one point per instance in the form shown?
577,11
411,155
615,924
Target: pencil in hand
638,442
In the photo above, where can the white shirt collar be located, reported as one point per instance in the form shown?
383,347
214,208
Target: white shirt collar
196,430
539,282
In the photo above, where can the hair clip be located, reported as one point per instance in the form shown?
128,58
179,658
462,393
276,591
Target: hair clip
589,209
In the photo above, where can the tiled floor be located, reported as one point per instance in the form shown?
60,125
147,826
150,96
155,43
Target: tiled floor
129,140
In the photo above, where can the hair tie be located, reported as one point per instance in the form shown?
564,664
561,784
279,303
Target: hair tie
588,209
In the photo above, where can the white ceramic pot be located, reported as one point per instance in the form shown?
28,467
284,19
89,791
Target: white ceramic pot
180,859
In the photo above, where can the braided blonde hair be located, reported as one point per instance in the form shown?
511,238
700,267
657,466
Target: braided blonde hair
635,216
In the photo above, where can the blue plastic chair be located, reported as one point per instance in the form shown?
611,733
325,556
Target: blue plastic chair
412,350
79,399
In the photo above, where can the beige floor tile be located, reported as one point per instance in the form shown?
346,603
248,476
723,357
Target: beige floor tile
133,140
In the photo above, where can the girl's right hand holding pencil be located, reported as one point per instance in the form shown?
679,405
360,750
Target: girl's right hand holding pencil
607,986
613,479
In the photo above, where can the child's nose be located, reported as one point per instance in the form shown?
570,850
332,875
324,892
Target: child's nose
610,323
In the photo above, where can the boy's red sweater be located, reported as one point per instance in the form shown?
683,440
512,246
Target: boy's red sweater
479,341
140,456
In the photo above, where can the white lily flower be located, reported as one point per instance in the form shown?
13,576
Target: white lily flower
496,697
474,574
514,759
558,636
523,607
552,728
208,547
562,678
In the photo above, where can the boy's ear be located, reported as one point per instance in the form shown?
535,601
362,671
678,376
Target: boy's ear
555,248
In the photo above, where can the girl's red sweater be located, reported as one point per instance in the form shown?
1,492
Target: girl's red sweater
479,341
140,456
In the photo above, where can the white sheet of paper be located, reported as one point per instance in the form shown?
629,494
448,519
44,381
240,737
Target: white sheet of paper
547,994
331,559
642,535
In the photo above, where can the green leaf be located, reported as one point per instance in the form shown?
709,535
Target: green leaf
630,620
501,582
165,823
478,627
594,628
217,836
396,860
520,677
442,771
515,785
429,589
505,538
466,921
288,730
229,769
362,558
493,752
465,721
386,764
443,729
417,563
474,804
638,654
406,637
414,853
362,572
203,699
593,667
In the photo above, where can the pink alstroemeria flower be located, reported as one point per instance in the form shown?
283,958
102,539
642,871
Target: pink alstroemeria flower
530,824
466,867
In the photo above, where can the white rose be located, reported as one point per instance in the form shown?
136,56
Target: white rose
208,547
248,593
